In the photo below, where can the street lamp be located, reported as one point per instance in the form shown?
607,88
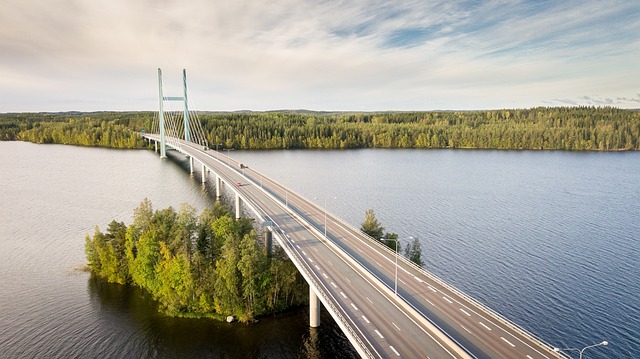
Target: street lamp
228,155
557,350
286,192
396,281
325,216
218,153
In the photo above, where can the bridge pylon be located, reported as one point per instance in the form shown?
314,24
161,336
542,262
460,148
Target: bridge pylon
161,100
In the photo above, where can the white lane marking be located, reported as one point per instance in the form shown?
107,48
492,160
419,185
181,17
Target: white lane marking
430,302
310,260
394,324
369,300
325,275
344,295
465,312
354,306
430,287
508,342
465,329
394,350
334,285
286,235
292,241
329,262
316,249
305,253
298,246
484,325
317,267
366,320
282,230
403,282
379,265
347,280
418,279
447,299
529,356
377,332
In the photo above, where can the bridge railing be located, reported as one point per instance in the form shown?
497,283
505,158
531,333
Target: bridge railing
449,287
293,194
432,276
329,301
327,298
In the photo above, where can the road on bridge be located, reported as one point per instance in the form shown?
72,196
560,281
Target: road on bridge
357,276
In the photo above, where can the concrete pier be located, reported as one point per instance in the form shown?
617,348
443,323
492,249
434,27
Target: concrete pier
218,187
238,200
314,309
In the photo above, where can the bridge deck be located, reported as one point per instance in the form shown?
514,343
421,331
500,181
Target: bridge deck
355,278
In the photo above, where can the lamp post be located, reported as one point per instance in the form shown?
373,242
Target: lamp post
218,153
396,281
228,154
557,350
286,192
325,216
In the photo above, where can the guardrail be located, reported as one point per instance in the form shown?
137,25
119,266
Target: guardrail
349,227
499,317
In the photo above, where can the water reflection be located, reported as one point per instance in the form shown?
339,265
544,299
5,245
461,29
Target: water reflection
148,333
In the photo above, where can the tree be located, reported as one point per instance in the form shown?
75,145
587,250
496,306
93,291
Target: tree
206,266
414,252
391,241
371,226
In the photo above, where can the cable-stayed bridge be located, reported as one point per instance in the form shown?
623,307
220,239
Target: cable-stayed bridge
387,306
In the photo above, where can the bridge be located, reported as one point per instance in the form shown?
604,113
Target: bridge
386,305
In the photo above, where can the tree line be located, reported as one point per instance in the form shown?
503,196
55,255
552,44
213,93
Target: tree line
104,129
209,265
542,128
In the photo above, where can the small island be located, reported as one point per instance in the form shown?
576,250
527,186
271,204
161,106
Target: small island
206,266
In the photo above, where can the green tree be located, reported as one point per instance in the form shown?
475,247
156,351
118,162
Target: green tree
371,226
414,252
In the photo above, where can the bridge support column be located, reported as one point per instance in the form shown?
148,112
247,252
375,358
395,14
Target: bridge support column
218,189
190,164
156,143
237,206
204,174
268,242
314,309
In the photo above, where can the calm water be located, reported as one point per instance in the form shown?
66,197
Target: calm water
549,239
51,197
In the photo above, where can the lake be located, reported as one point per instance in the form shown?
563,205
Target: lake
549,239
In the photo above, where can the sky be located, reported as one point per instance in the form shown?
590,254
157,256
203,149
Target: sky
338,55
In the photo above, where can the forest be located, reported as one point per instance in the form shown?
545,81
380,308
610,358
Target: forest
542,128
84,129
202,266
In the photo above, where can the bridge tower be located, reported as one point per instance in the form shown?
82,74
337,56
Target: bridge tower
162,99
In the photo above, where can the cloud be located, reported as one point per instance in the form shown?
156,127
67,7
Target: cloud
332,55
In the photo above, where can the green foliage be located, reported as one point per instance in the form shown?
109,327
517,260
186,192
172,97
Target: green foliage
104,129
544,128
198,266
557,128
414,252
371,226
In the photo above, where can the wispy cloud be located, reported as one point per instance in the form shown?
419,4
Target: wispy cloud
342,55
